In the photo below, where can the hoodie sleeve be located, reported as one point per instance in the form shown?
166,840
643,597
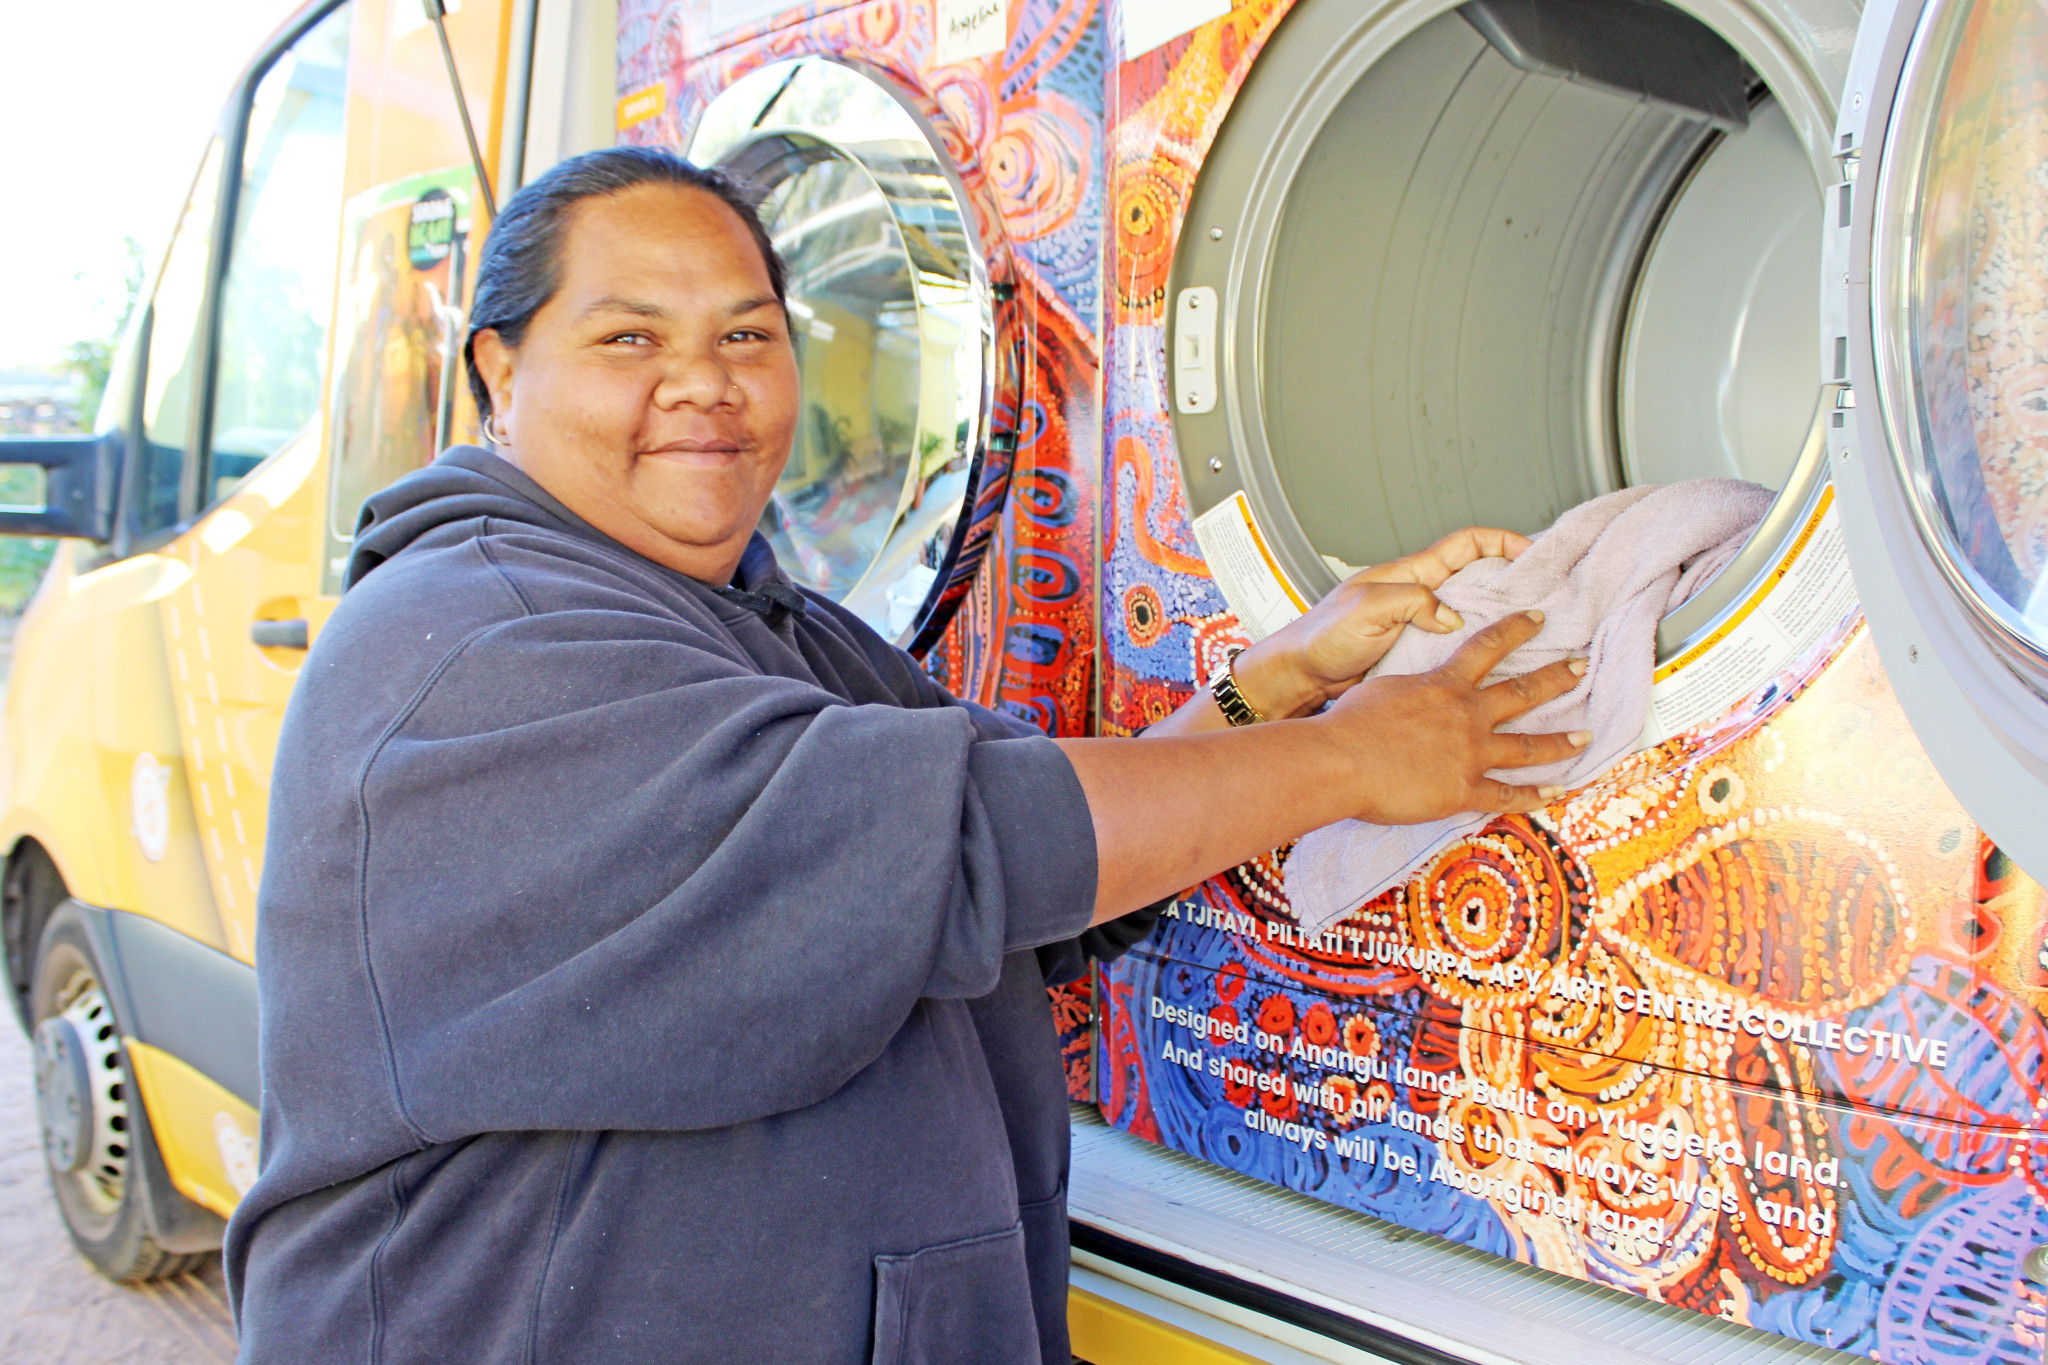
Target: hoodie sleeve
612,879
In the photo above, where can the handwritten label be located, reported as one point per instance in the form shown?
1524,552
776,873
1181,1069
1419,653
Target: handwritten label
966,29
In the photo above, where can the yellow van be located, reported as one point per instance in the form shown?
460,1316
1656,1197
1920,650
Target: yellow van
299,347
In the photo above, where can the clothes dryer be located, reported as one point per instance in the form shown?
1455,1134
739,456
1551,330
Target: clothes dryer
1753,1024
933,178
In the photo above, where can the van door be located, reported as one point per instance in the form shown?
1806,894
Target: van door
236,625
1940,440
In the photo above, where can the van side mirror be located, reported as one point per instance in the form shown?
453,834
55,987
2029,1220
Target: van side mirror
78,479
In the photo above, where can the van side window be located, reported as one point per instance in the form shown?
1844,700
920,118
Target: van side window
174,356
398,354
277,297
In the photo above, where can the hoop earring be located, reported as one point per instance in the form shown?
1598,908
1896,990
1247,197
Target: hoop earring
490,433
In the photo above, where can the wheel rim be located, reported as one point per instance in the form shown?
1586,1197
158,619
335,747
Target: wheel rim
82,1096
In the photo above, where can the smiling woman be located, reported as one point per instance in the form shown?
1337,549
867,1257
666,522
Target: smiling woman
654,390
653,956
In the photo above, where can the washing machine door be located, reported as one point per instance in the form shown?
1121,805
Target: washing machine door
892,314
1938,262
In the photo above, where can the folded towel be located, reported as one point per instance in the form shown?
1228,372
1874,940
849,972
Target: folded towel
1603,576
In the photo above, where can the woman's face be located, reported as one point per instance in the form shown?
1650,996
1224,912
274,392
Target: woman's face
656,393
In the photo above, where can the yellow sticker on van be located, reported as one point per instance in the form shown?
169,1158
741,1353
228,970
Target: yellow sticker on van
643,104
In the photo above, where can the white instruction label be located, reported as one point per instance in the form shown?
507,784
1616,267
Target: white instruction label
1798,602
966,29
1149,23
727,15
1250,579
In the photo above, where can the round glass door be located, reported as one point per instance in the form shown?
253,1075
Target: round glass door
1966,323
891,313
1943,465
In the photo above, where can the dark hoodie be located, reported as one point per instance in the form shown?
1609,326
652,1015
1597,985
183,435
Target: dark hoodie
643,971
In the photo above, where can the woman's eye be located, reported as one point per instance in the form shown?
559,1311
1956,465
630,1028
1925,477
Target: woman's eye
747,334
628,339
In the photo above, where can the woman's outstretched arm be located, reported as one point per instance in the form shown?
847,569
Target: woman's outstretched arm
1179,807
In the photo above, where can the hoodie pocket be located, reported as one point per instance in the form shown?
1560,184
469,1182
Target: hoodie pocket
958,1303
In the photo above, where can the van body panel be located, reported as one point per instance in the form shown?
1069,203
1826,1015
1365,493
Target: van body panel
141,718
252,558
207,1134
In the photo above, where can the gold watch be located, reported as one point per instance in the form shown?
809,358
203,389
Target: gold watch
1229,700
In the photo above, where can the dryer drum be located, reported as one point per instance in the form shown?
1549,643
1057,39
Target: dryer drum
1482,269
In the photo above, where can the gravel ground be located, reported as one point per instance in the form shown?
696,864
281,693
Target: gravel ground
54,1308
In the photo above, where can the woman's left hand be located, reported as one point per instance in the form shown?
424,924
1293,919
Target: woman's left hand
1317,657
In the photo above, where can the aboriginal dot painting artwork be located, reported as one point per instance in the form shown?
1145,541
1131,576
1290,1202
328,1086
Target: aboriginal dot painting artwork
1752,1025
1021,128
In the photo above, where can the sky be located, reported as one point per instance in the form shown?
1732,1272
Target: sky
105,106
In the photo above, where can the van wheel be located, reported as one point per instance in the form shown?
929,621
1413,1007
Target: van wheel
90,1115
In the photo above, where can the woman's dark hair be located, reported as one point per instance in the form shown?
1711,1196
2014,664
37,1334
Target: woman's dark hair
522,261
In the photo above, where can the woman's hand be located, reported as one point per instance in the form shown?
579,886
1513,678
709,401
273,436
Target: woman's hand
1174,808
1427,741
1318,657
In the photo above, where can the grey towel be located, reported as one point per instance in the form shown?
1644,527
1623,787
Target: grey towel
1603,576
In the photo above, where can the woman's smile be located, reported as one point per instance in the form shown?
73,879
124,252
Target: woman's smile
698,451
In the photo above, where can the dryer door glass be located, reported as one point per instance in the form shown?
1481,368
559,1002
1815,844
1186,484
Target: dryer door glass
892,316
1969,327
1944,465
853,315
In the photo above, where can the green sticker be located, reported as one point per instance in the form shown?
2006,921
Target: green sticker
430,233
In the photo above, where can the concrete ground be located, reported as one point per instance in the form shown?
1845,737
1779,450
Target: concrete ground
54,1308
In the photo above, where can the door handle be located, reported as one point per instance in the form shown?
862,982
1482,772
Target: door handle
278,634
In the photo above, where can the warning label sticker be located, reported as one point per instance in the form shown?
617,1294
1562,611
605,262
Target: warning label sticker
1796,604
1251,580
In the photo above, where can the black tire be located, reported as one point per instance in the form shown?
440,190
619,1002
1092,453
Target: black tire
105,1200
31,889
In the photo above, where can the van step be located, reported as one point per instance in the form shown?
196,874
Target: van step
1365,1285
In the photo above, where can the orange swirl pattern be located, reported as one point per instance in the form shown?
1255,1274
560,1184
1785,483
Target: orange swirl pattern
1037,163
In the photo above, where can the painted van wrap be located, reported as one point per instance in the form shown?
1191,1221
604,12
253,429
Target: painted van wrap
1752,1024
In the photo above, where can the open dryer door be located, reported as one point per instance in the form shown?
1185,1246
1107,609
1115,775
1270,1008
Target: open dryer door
1942,315
897,471
1440,278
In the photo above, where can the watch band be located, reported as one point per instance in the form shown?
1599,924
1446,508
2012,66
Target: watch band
1229,700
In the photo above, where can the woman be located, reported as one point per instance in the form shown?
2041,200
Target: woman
647,948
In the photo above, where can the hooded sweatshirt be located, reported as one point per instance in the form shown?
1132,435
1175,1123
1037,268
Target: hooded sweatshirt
645,970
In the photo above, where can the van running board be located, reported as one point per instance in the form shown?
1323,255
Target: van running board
1324,1283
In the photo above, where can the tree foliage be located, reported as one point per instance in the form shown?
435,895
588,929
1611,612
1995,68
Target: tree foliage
92,358
23,559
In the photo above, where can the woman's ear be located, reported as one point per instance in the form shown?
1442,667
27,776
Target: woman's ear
494,365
